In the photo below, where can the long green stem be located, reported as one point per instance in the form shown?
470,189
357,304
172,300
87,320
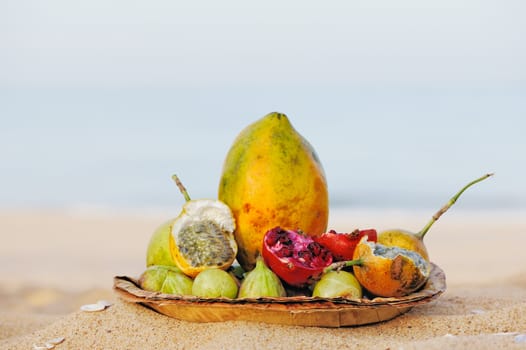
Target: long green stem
181,187
448,205
341,264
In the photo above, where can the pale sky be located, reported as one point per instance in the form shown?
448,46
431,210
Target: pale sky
407,98
178,43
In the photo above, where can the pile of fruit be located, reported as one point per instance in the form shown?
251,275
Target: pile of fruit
266,235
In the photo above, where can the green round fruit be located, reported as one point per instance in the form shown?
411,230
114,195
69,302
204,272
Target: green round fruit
166,279
335,284
214,283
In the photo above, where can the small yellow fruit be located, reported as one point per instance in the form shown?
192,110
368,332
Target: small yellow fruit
403,239
415,241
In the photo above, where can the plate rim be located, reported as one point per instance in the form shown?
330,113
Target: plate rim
128,289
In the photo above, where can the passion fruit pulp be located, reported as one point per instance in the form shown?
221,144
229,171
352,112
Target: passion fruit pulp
203,235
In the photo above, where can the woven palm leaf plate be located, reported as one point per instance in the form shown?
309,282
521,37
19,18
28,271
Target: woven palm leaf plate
297,310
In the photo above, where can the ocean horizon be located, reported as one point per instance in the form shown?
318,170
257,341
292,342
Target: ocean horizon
381,146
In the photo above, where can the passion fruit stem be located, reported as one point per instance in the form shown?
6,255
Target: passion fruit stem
448,205
341,264
181,187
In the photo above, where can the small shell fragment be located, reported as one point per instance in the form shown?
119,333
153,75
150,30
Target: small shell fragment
105,303
50,344
46,346
99,306
521,338
506,333
56,341
92,307
41,347
478,311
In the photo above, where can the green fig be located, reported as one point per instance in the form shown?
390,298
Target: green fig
214,283
166,279
335,284
261,282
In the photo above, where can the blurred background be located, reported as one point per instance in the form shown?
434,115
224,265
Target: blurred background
405,102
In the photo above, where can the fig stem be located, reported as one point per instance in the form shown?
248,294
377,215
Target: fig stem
448,205
341,264
181,187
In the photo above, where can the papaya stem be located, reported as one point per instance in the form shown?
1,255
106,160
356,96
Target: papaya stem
341,264
181,187
448,205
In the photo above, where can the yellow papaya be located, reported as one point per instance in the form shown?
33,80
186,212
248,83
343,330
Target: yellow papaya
272,177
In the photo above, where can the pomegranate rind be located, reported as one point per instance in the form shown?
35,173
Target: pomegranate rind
293,270
342,245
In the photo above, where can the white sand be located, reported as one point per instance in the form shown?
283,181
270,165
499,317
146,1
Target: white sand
52,262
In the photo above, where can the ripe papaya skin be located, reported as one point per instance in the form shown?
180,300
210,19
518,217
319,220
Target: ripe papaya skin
272,177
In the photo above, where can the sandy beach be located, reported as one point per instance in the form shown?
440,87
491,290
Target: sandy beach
52,262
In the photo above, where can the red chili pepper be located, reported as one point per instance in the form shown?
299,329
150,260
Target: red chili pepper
342,245
295,257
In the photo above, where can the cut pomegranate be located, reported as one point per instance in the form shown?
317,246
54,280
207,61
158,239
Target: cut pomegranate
295,257
342,245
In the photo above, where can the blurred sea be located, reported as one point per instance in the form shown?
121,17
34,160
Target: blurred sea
381,146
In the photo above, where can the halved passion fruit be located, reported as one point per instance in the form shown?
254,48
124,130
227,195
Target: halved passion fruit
201,237
389,271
